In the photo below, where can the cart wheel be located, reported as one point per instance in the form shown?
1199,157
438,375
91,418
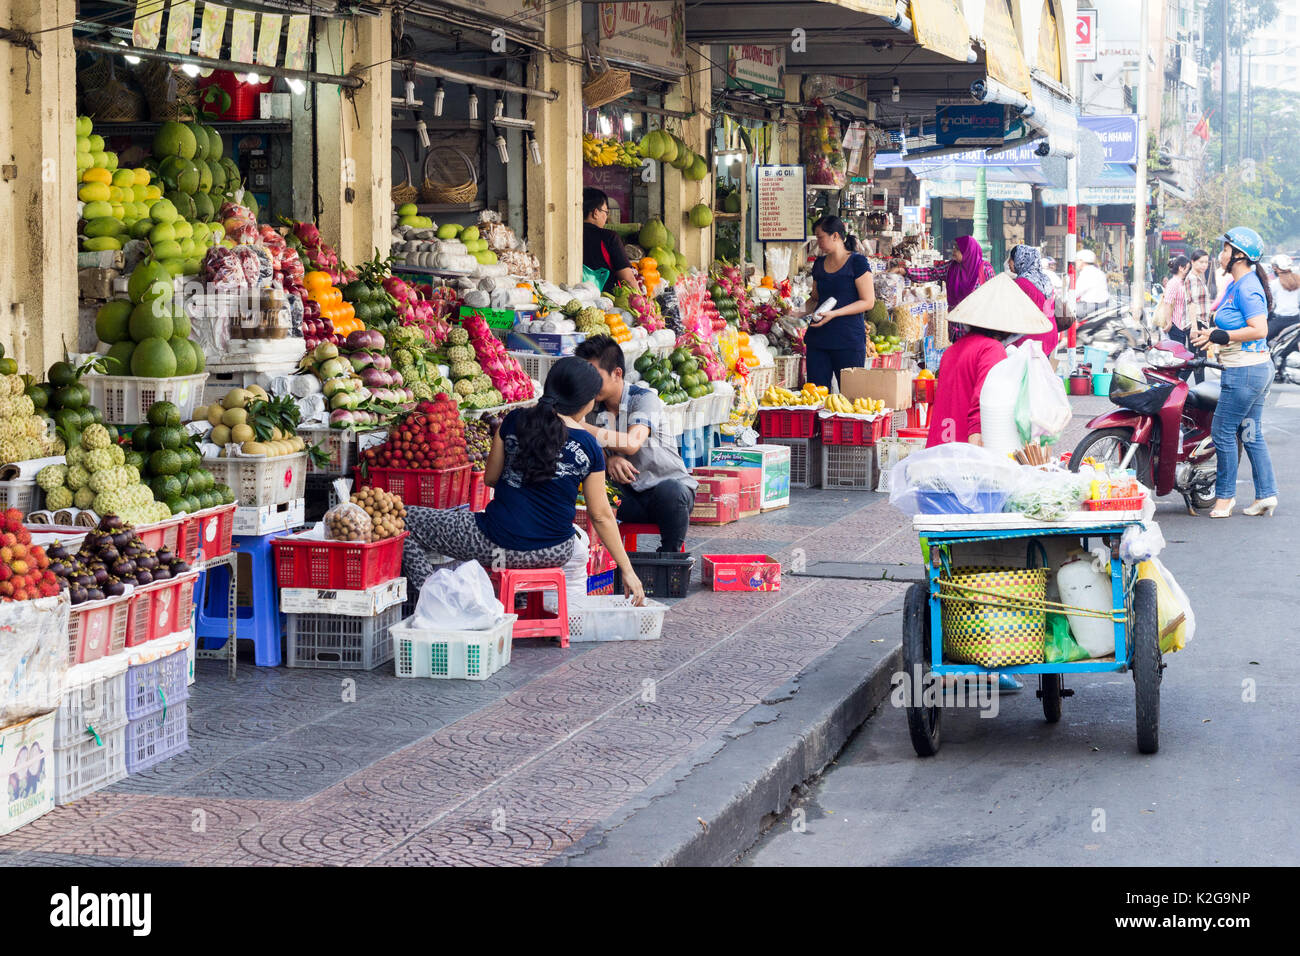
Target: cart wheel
1144,632
1049,688
922,722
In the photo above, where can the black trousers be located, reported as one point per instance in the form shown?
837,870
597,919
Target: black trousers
667,504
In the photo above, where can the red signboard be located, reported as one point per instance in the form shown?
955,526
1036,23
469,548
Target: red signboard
1085,35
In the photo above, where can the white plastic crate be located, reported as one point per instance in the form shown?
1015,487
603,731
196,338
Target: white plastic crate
367,603
787,371
90,764
534,364
456,655
222,378
675,419
94,696
760,379
257,482
152,739
19,494
125,399
342,445
849,467
721,401
614,618
336,642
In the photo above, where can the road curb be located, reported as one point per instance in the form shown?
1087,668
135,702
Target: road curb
713,806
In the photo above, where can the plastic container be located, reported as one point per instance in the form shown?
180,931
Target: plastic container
98,628
614,618
210,531
1115,504
336,565
125,399
805,460
924,390
1082,586
1081,384
456,655
95,696
662,576
787,371
445,488
1095,358
333,642
838,430
19,494
1101,383
787,423
535,365
90,764
849,467
741,572
479,493
157,736
259,482
243,96
161,609
157,684
760,379
341,444
163,534
947,503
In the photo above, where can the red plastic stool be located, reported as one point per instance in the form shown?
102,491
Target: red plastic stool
534,621
629,531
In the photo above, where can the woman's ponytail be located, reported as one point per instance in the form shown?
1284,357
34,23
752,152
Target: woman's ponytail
1262,275
851,242
571,386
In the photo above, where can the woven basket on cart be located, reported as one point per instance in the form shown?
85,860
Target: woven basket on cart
603,85
436,191
994,617
107,99
404,192
170,92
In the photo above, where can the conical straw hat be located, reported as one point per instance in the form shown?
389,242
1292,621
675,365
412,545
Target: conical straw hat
1002,306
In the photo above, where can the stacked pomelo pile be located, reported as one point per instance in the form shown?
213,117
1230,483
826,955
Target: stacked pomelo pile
115,200
148,334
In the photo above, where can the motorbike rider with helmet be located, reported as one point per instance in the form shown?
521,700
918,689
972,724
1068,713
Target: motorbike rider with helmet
1240,330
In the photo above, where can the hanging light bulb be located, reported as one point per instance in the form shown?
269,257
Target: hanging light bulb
627,122
133,60
189,69
473,104
605,126
499,109
297,86
423,131
501,149
439,95
254,78
535,150
894,93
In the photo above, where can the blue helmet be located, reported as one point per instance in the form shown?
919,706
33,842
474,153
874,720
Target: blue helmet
1246,241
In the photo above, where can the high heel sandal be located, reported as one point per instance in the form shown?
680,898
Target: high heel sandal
1262,506
1232,503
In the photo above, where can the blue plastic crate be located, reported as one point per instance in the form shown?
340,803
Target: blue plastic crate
602,583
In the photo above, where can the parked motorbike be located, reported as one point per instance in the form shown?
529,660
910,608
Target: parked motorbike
1285,353
1161,429
1116,328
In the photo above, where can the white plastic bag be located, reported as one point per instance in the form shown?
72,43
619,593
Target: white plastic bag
956,478
575,569
1141,542
1022,401
1048,493
1043,403
458,598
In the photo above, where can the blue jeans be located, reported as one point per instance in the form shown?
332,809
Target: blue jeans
1241,409
823,363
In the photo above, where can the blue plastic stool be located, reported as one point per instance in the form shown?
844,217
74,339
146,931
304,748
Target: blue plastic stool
259,623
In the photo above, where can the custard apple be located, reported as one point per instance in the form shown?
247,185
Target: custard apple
52,476
95,437
101,459
56,499
458,336
84,498
78,477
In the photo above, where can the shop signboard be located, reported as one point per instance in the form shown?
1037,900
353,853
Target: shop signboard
644,34
875,8
1092,196
615,182
779,200
965,189
969,124
940,26
1085,35
518,13
1006,61
757,68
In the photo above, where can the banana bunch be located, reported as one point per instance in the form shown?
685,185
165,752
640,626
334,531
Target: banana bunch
776,395
859,406
598,152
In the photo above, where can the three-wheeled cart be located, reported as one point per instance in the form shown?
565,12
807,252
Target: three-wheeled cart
951,542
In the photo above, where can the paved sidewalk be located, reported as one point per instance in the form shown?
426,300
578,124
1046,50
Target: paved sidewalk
513,770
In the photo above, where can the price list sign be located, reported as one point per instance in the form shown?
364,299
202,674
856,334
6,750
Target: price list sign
779,200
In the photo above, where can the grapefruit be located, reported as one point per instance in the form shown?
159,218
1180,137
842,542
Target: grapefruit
151,319
182,203
153,358
112,321
200,140
204,210
173,139
164,210
184,353
118,359
180,324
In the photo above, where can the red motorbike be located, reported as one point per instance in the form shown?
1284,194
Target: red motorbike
1161,429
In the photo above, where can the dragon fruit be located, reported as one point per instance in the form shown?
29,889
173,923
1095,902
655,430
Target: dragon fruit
501,367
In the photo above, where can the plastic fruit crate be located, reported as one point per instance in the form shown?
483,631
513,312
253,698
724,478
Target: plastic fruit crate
95,696
535,365
805,460
787,371
161,609
741,572
614,618
98,628
479,492
662,576
787,422
210,531
302,562
157,684
457,655
258,482
849,467
157,736
90,764
20,494
839,430
163,534
334,642
761,378
433,488
924,390
125,399
1115,504
341,444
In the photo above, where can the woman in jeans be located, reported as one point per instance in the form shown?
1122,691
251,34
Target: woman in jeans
1240,329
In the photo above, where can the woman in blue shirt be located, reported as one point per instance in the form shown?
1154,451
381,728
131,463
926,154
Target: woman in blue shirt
837,339
540,458
1240,330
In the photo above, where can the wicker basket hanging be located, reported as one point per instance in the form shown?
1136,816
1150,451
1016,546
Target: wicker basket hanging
171,94
404,192
438,192
604,85
108,99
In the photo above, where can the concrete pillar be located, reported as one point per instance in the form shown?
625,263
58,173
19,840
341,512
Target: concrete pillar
555,187
788,132
692,95
38,187
980,217
354,138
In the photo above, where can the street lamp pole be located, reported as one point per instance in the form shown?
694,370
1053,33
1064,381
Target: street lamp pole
1140,185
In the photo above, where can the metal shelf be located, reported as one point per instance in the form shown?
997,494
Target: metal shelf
434,208
149,126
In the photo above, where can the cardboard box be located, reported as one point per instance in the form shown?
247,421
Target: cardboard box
27,771
892,386
96,283
751,486
717,500
363,603
773,462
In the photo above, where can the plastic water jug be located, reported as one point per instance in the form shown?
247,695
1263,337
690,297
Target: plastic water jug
1082,585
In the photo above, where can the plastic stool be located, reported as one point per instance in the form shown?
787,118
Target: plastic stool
629,531
533,620
259,623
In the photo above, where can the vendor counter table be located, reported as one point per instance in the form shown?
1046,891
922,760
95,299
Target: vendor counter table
953,542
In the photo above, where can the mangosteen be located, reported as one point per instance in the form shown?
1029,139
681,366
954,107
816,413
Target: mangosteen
143,577
123,567
110,523
94,594
179,567
161,574
114,588
109,554
56,552
122,539
147,562
77,594
84,581
100,575
132,551
165,556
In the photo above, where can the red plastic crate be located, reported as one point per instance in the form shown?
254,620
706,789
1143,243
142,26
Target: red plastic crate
212,530
1115,504
97,629
913,433
163,534
787,422
243,96
741,572
924,390
837,430
336,565
479,493
445,488
161,609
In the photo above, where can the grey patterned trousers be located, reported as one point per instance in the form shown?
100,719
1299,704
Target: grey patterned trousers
453,533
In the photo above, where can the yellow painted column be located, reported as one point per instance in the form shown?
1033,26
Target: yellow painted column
354,135
555,187
788,137
38,187
692,95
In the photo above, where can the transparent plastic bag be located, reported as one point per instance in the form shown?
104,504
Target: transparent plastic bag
955,478
1060,646
458,598
1048,493
1141,543
347,521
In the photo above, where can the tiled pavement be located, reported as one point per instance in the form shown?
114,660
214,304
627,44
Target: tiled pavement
510,771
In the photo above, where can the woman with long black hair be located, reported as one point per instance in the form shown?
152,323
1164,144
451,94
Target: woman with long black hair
541,457
837,338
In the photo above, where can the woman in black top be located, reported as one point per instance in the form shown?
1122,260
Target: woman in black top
601,248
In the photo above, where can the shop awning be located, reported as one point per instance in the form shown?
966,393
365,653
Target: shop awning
940,26
1006,61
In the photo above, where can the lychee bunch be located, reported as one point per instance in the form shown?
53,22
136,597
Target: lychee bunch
24,568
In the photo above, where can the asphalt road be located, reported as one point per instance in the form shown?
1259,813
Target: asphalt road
1014,790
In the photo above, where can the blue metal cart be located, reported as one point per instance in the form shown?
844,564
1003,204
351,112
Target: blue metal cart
967,540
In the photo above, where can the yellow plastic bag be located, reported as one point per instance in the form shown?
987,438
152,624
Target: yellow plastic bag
1177,622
